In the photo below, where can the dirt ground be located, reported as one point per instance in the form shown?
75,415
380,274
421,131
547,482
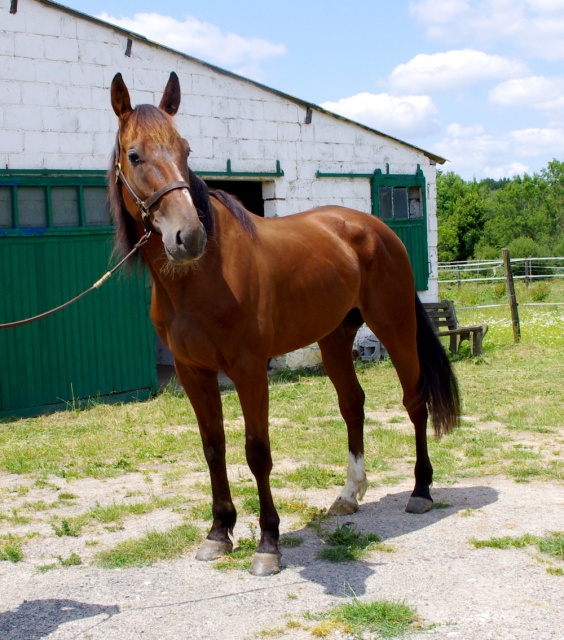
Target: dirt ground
458,591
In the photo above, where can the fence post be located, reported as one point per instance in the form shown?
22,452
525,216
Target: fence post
512,297
528,272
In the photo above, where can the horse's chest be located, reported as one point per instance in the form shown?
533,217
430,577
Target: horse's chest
192,344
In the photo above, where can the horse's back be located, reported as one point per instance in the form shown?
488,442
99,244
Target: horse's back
335,233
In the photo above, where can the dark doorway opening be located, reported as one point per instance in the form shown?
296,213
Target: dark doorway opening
249,193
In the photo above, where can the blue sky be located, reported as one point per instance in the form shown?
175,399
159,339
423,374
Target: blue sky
480,82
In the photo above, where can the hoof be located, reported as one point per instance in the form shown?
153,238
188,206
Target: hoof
265,564
417,504
342,507
213,549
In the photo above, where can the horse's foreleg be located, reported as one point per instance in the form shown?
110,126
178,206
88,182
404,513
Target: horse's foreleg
252,388
336,350
203,391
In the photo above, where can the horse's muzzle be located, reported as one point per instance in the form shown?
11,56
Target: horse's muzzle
184,246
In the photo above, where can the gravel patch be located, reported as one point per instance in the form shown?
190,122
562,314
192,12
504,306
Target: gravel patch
458,591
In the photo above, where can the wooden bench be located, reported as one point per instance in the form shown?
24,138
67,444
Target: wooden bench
444,319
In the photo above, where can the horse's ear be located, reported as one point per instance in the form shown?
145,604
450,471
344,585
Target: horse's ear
171,96
120,97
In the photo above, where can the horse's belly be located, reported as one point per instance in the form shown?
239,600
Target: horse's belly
300,320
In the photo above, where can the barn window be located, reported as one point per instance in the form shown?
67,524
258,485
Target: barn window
44,201
400,203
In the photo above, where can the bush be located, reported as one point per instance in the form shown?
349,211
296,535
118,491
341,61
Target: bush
498,290
527,248
558,250
486,252
539,291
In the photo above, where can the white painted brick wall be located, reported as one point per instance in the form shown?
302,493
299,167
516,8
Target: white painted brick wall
7,44
29,45
60,49
55,73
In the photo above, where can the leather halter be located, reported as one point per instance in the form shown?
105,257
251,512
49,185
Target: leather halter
144,206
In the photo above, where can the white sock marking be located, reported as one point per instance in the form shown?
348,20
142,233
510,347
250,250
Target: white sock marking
355,486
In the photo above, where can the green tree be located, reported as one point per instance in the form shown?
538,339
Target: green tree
553,227
477,219
461,217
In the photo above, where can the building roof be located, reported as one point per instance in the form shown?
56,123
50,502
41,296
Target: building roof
290,98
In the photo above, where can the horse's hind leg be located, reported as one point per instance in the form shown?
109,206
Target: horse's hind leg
336,350
203,391
400,340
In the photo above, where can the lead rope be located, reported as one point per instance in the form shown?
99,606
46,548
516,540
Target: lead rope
96,285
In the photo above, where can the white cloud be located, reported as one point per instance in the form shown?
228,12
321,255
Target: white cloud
533,27
510,170
497,156
402,117
451,70
538,142
200,39
537,92
456,130
546,6
438,13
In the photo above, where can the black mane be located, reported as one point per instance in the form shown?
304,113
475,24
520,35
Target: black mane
243,217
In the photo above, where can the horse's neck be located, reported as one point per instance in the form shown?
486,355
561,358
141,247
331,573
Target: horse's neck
227,240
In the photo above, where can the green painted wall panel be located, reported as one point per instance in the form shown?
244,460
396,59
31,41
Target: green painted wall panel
414,237
102,346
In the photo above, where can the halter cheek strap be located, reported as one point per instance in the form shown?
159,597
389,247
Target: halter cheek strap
144,206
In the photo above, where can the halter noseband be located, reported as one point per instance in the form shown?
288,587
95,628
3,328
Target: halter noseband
144,206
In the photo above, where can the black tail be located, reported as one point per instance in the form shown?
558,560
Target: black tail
440,385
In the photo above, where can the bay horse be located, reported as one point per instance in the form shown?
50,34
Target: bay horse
231,290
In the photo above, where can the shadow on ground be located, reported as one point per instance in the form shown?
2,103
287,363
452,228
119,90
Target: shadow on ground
35,619
386,518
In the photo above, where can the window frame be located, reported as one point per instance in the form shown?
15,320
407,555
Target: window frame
399,180
49,180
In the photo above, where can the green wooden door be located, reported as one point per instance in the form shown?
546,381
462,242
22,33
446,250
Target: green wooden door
102,346
400,201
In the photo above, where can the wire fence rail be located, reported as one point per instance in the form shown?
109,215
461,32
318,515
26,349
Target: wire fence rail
527,269
506,269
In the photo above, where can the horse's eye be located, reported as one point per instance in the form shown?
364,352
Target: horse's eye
134,157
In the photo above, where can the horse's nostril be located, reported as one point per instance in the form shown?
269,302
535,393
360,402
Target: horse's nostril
178,239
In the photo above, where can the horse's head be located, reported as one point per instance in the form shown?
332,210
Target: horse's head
151,163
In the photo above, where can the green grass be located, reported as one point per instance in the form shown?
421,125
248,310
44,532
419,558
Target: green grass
240,558
153,547
114,513
347,544
313,475
72,561
387,619
551,544
11,548
113,440
67,527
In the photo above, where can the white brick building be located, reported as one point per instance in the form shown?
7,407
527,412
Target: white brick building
56,67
